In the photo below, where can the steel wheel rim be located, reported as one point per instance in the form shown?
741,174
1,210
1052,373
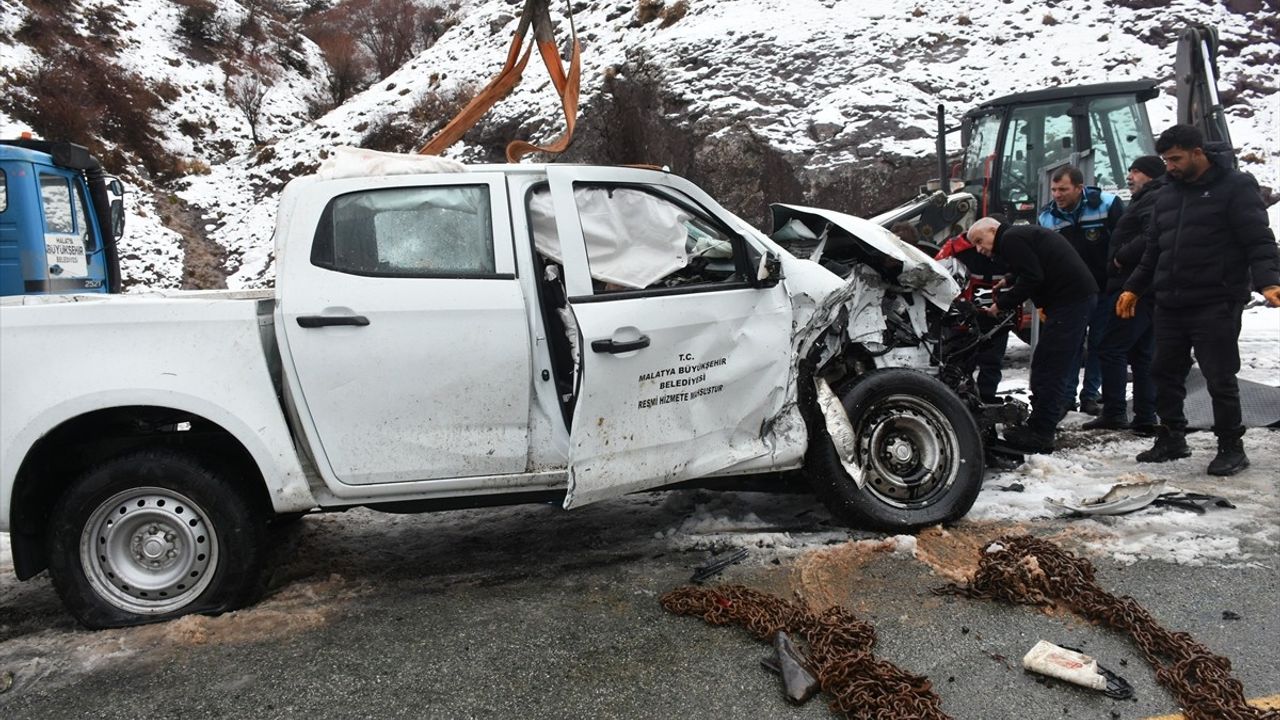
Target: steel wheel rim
148,550
909,451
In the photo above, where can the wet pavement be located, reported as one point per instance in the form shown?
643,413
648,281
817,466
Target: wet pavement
536,612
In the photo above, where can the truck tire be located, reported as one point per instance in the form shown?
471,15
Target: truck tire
919,448
154,535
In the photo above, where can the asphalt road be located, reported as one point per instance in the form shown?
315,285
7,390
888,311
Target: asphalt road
539,613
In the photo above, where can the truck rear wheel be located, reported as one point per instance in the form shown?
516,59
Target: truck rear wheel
151,536
917,445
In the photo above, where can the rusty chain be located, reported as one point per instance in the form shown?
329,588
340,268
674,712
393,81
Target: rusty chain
839,650
1013,569
1029,571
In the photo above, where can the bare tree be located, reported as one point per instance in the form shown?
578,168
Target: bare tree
433,20
348,70
247,92
388,29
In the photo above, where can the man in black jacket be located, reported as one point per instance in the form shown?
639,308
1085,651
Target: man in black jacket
984,274
1130,343
1050,273
1209,233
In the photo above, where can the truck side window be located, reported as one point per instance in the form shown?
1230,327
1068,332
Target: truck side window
4,192
442,231
1120,133
638,239
59,213
1038,136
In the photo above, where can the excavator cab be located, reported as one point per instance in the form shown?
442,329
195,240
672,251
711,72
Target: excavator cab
1013,144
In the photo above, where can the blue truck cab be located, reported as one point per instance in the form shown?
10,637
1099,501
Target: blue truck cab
60,219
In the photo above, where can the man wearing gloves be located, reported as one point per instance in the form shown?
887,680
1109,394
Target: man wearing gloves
1129,343
1209,234
1050,273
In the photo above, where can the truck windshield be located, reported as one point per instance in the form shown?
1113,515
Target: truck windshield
4,192
1121,132
980,153
1039,136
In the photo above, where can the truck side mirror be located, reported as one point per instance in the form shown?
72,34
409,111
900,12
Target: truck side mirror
117,218
770,270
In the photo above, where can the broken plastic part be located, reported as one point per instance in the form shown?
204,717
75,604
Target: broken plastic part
840,430
1195,502
1120,499
800,684
712,569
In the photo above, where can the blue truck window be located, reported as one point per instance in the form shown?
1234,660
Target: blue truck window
4,192
65,229
55,195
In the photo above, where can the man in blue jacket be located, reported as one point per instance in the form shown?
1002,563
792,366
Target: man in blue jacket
1086,217
1208,243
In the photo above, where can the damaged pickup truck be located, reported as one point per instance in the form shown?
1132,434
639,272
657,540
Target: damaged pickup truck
445,336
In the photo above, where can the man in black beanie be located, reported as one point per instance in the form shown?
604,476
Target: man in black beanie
1130,342
1209,243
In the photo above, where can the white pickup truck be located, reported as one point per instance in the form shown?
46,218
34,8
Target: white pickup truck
445,336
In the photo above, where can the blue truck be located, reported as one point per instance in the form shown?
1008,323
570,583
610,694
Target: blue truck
61,216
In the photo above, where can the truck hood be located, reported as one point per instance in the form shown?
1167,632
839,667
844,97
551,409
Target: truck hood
830,232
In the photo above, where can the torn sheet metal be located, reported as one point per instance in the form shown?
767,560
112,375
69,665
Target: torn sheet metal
840,430
918,271
822,301
1120,499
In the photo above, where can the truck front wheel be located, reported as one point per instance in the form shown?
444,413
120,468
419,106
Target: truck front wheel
151,536
917,447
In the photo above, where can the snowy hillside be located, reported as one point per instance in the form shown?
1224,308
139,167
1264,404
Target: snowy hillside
829,102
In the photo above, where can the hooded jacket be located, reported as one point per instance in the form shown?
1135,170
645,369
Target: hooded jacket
1208,242
1088,227
1128,240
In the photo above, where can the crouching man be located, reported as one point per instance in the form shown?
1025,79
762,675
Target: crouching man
1049,272
1208,238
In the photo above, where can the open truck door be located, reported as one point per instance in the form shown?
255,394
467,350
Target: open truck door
684,352
1196,73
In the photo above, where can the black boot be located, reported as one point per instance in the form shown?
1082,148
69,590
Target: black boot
1170,445
1106,423
1029,441
1230,458
1090,406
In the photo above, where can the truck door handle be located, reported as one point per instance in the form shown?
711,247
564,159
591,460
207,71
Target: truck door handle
315,321
609,346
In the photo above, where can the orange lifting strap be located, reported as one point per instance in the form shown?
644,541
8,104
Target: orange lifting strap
535,13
